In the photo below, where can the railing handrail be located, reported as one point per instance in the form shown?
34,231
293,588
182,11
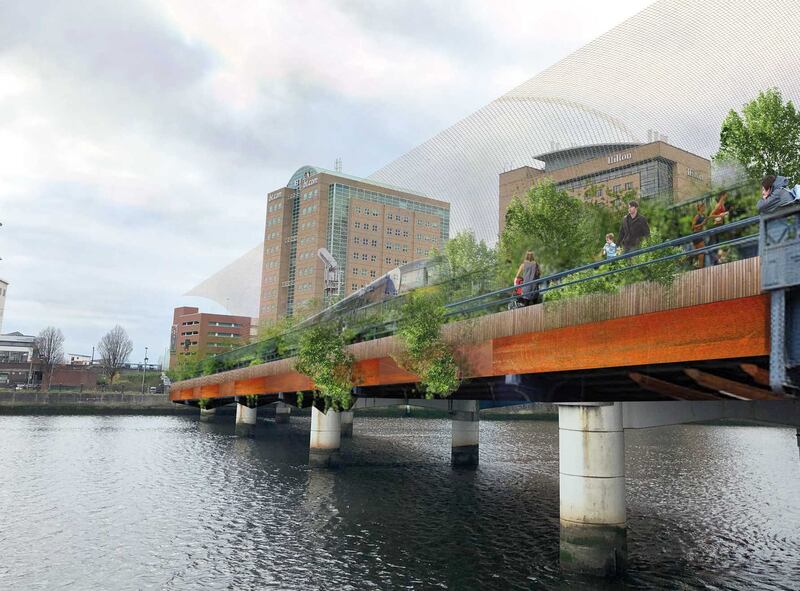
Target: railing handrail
455,308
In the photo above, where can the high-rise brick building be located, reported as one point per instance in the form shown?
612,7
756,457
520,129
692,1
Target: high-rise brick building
369,228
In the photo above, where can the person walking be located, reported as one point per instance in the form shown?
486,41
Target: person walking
698,225
634,228
529,271
609,248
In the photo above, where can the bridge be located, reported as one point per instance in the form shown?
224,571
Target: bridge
718,342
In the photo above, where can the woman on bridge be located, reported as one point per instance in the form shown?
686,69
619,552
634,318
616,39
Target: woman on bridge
529,271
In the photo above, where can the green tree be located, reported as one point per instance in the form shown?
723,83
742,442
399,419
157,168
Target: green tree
322,356
464,254
425,352
764,139
562,231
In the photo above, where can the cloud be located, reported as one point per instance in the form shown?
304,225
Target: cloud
139,139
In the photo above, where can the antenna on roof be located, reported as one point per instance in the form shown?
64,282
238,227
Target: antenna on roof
337,164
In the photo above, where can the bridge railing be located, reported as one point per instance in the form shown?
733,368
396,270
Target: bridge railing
744,238
564,279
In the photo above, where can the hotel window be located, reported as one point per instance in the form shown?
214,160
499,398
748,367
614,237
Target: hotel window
405,219
628,186
375,227
373,274
405,233
617,188
388,231
388,260
364,257
373,258
389,216
355,271
357,225
373,243
355,255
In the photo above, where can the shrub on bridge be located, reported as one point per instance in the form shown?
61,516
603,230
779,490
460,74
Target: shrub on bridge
425,353
322,357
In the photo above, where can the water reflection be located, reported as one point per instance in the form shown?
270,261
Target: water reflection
171,503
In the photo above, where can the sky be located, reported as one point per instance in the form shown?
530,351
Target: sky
138,139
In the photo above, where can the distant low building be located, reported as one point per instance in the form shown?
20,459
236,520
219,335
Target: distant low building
199,334
19,361
78,359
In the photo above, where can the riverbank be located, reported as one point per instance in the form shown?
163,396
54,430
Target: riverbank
28,402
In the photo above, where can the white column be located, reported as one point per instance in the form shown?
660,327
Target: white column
347,424
207,414
326,437
591,450
245,420
466,432
282,413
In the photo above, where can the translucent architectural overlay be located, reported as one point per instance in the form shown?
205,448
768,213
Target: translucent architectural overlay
677,68
671,72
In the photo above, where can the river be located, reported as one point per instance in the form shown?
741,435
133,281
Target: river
115,502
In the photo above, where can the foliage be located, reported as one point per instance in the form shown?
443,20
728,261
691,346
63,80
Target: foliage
188,366
50,346
114,348
764,139
662,272
212,365
426,354
562,231
464,254
323,357
203,403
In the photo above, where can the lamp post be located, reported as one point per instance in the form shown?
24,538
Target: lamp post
144,368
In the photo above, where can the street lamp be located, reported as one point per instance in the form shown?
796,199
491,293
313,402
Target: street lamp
144,373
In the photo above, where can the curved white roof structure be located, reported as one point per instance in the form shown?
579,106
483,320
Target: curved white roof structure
677,67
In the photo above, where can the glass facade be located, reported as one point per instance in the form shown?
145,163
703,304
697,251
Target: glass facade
655,178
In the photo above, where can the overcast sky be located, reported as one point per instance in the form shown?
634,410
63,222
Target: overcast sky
138,138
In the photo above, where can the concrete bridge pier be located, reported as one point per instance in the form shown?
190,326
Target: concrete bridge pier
591,451
326,437
282,413
207,414
347,424
466,431
245,420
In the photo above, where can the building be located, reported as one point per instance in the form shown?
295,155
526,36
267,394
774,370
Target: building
198,334
368,227
19,360
3,289
79,359
607,171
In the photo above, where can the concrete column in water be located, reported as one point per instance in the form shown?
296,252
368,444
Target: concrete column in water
326,437
347,424
466,428
282,412
591,449
245,420
207,414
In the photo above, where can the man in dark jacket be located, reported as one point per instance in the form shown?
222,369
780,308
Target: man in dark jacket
774,194
634,228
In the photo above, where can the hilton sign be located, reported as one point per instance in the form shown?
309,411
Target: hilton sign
619,157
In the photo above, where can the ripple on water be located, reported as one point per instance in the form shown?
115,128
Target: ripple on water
168,503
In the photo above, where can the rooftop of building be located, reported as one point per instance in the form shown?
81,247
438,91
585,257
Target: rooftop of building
308,170
576,155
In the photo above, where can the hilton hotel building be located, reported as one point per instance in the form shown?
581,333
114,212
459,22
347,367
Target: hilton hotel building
656,169
369,228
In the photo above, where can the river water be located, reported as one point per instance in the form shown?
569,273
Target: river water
109,502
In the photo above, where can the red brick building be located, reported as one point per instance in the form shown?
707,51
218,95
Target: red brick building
196,333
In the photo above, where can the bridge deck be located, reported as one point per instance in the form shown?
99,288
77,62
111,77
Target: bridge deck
706,316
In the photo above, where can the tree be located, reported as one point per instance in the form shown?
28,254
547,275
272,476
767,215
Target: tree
464,254
114,349
562,231
764,139
50,344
